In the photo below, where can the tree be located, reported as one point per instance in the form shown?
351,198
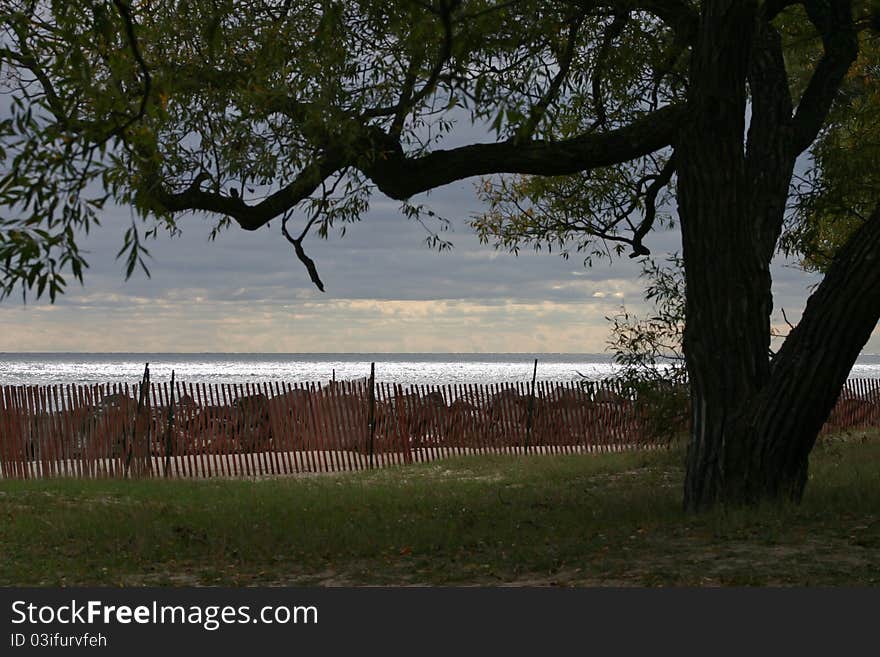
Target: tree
221,107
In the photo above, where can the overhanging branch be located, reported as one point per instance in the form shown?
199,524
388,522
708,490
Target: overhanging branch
400,177
249,217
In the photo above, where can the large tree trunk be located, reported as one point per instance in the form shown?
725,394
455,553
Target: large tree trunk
754,425
727,331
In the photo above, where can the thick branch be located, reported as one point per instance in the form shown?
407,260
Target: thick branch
401,177
771,98
679,15
814,361
769,155
249,217
833,20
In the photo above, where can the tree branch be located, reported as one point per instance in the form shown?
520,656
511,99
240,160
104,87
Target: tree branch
300,253
400,177
833,20
125,12
445,14
528,128
769,155
612,32
653,190
679,15
249,217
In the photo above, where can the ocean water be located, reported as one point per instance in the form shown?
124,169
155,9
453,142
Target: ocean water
406,369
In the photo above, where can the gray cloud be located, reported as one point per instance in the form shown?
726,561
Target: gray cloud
386,291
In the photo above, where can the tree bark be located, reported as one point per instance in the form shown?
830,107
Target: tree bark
754,421
726,338
809,371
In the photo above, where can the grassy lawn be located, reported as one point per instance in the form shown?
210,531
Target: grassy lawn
567,520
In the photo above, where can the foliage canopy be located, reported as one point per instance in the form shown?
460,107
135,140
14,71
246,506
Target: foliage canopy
251,110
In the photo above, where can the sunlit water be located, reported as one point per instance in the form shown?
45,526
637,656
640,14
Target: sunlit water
407,369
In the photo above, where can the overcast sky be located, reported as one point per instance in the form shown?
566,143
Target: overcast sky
386,292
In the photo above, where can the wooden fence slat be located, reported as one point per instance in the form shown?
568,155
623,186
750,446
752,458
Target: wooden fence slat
479,432
347,430
337,427
485,423
288,423
54,435
321,427
385,455
270,444
218,419
24,470
264,434
157,444
76,423
29,448
167,443
54,429
475,432
337,440
450,395
498,420
38,465
199,429
357,424
318,418
309,428
394,414
454,418
279,450
94,430
215,428
298,425
579,414
501,401
85,430
14,441
390,437
5,433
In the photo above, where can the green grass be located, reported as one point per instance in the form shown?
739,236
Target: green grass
569,520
